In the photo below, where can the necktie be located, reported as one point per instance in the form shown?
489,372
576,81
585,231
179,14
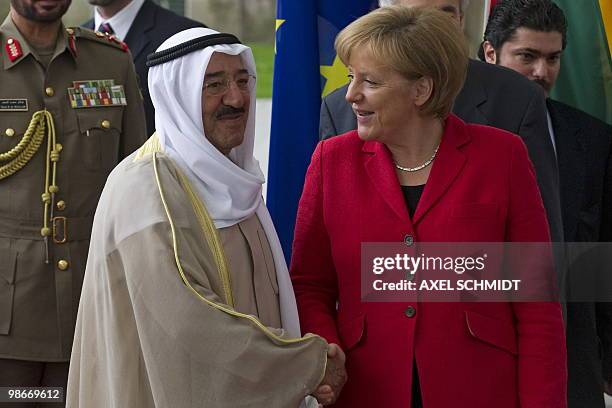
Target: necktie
106,28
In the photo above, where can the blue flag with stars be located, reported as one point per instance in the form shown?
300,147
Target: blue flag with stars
306,69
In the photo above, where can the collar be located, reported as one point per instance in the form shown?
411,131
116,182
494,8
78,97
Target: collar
8,31
122,21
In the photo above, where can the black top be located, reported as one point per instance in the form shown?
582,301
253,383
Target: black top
412,195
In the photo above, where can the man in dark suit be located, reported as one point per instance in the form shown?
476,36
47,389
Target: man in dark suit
143,26
529,37
491,96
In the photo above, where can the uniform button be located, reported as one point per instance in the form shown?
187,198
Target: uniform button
99,34
10,41
106,124
62,264
410,311
9,132
408,240
49,91
61,205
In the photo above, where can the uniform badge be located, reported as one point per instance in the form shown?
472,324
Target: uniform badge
13,48
97,93
72,41
123,45
13,105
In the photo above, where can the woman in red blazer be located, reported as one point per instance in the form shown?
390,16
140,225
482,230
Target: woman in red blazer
472,184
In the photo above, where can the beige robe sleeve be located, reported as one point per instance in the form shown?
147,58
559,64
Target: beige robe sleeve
147,337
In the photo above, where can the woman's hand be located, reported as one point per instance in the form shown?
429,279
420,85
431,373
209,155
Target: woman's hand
335,376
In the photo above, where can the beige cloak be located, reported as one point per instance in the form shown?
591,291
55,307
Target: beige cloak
156,326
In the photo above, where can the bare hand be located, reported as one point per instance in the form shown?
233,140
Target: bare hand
335,376
607,386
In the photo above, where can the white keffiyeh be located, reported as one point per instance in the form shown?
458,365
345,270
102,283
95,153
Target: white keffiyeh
230,186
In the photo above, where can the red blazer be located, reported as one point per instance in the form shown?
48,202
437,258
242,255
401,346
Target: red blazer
481,188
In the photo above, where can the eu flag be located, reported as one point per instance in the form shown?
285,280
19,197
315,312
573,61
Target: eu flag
305,69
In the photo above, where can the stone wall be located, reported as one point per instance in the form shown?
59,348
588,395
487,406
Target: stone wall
251,20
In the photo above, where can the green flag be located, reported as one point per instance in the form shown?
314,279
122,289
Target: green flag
585,80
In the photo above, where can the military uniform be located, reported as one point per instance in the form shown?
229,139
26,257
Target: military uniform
47,204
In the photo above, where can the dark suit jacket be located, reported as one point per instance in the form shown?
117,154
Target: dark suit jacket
493,96
584,150
152,26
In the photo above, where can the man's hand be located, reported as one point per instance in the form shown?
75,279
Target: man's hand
335,376
607,386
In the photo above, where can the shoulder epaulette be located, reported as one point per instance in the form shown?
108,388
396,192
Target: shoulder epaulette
81,32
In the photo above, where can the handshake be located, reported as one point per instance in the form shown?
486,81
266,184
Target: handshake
335,376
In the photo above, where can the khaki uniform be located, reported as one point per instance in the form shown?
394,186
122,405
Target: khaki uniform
40,279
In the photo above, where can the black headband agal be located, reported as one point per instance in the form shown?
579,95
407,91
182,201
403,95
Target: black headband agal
185,48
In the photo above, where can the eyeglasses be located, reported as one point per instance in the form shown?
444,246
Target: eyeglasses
220,86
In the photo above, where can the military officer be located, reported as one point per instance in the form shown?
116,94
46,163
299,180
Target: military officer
70,110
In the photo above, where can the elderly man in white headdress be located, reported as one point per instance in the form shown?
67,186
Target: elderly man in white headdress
187,301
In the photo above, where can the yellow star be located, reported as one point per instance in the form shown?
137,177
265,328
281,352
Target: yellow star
279,22
336,75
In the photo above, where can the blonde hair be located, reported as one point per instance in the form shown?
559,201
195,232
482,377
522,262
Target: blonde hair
416,42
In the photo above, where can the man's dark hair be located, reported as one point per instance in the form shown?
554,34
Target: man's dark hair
509,15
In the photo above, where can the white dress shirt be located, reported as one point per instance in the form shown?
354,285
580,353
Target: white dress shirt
551,131
120,22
